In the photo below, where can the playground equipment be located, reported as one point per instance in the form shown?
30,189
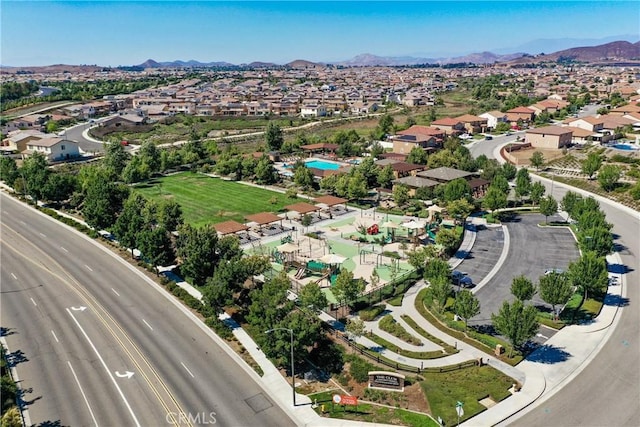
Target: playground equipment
286,239
373,229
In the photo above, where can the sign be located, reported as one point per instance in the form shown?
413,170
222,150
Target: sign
386,380
345,400
459,409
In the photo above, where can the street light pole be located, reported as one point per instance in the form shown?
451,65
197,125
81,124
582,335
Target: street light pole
293,374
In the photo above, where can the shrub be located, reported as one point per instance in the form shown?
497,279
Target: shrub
389,324
368,314
359,369
219,327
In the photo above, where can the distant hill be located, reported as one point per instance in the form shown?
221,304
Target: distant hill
301,63
150,63
56,68
614,52
368,59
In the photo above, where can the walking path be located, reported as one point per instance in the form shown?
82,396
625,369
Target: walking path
543,373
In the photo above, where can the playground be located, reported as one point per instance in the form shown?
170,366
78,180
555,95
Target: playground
362,244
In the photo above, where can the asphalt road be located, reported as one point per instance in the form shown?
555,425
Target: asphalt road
607,391
47,271
74,133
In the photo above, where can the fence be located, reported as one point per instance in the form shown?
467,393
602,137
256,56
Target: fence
399,366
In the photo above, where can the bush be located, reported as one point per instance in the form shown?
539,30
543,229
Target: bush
219,327
368,314
389,324
359,368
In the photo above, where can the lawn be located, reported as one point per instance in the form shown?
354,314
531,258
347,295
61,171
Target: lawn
469,386
206,200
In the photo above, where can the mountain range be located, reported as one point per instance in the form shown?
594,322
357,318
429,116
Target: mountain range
608,53
617,51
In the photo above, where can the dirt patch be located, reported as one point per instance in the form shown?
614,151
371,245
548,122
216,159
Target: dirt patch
524,156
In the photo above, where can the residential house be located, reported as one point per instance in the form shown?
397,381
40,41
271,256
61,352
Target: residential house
17,140
625,109
473,124
549,106
494,117
313,110
521,114
400,169
550,137
449,125
414,183
54,148
583,136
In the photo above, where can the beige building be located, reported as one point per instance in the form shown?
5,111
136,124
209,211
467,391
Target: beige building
550,137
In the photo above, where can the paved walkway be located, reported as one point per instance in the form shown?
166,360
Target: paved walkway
542,374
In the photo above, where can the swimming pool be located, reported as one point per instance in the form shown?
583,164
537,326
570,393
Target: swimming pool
322,165
626,147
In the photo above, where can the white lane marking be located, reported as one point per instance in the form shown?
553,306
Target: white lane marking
43,235
187,369
54,336
88,268
542,336
115,292
127,374
23,223
115,383
14,276
62,247
34,302
83,395
145,322
81,308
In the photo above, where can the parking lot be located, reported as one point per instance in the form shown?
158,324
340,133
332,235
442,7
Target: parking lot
532,250
484,254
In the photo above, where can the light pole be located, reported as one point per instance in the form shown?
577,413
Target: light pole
293,375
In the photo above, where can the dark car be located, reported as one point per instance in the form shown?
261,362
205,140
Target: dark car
488,137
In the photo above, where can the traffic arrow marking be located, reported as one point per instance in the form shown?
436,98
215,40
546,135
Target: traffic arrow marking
127,374
81,308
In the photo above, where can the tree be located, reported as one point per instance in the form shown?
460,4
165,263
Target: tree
537,191
548,207
591,164
60,186
115,158
523,183
198,251
509,171
312,297
589,273
9,170
460,209
355,328
134,171
303,177
156,247
35,172
400,194
440,289
522,288
569,202
273,137
456,190
466,306
436,269
169,214
385,176
265,172
347,289
150,156
448,238
417,156
517,322
357,188
494,199
130,222
103,201
555,289
596,239
537,159
501,183
608,177
385,124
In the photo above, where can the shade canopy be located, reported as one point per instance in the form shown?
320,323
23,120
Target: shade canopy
288,247
413,225
435,208
333,259
390,224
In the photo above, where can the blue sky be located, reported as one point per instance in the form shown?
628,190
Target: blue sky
126,33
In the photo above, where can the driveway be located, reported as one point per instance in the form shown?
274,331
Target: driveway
484,254
532,250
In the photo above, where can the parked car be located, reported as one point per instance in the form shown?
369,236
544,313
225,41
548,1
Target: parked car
488,137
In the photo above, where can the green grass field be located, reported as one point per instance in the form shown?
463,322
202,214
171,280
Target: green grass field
206,200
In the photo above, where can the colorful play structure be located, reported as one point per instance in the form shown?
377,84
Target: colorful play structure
373,229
